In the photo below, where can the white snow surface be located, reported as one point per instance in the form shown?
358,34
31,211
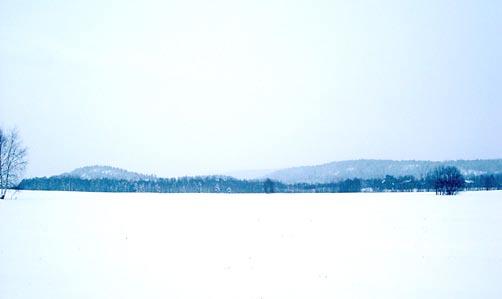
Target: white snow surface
139,245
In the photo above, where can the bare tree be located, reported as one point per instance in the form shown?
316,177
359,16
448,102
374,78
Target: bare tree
12,160
447,180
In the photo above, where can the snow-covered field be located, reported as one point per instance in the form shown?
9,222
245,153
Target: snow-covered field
388,245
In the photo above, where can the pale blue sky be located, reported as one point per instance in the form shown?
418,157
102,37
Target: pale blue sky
193,87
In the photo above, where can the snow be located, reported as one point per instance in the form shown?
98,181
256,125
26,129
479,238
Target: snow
365,245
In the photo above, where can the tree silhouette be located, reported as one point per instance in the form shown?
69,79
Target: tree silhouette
447,180
12,160
268,186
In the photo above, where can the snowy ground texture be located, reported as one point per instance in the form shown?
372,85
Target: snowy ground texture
385,245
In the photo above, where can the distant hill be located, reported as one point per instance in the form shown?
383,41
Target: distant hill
325,173
368,169
249,174
106,172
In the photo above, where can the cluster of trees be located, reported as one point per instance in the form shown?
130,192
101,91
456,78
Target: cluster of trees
484,182
443,180
447,180
209,184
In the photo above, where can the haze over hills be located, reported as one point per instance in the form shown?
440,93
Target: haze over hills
250,174
106,172
115,173
368,169
329,172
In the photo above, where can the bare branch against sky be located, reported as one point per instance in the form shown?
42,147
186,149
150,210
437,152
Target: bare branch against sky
12,160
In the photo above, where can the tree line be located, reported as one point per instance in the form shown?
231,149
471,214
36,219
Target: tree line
444,180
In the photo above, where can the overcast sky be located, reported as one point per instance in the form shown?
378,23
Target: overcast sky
195,87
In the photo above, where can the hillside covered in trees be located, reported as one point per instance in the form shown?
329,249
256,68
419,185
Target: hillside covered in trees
371,169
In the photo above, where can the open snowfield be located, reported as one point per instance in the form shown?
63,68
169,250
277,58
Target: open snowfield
60,245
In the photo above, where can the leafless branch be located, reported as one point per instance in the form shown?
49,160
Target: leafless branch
12,160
